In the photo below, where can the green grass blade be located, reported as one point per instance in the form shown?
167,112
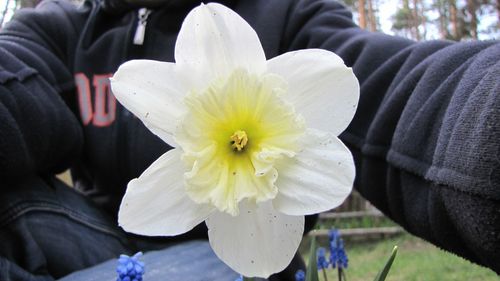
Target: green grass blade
383,273
312,267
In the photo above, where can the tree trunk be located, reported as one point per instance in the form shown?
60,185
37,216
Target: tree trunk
423,20
471,9
416,19
454,20
29,3
498,13
443,26
371,16
362,14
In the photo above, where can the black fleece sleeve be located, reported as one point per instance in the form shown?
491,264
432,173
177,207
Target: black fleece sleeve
39,134
426,135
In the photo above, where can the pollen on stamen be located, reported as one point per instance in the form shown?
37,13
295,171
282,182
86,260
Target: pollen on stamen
239,140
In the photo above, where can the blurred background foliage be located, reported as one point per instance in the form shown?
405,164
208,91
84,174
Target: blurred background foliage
431,19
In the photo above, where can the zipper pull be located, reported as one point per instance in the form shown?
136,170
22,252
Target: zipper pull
140,31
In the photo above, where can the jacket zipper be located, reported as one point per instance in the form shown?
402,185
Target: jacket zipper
142,21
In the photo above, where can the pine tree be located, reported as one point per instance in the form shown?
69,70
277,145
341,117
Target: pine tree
372,18
362,13
472,7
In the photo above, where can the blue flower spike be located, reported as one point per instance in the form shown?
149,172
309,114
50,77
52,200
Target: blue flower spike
322,261
300,275
342,260
338,257
130,268
333,235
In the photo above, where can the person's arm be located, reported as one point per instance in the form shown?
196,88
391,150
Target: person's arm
426,135
39,134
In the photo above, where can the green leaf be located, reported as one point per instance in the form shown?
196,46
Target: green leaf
383,273
312,267
247,278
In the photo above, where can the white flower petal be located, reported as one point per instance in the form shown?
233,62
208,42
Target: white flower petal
258,242
213,42
318,178
321,87
150,90
156,203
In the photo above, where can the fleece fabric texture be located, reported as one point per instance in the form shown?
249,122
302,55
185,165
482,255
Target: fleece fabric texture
426,135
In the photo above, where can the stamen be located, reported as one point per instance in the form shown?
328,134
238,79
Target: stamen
239,140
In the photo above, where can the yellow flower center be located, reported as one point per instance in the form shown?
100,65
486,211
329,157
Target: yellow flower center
261,127
238,140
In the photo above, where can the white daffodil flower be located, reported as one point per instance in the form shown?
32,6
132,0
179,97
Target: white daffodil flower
256,144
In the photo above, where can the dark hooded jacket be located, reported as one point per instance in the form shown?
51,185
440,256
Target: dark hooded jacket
426,135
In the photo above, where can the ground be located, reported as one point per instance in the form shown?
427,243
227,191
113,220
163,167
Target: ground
416,260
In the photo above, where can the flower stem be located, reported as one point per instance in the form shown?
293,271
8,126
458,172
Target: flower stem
341,274
324,274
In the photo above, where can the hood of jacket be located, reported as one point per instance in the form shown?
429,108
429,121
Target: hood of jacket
120,6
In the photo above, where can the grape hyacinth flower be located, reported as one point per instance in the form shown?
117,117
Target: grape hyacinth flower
130,268
300,275
322,261
338,257
255,140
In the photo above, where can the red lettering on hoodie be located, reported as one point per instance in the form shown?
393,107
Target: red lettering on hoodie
103,112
